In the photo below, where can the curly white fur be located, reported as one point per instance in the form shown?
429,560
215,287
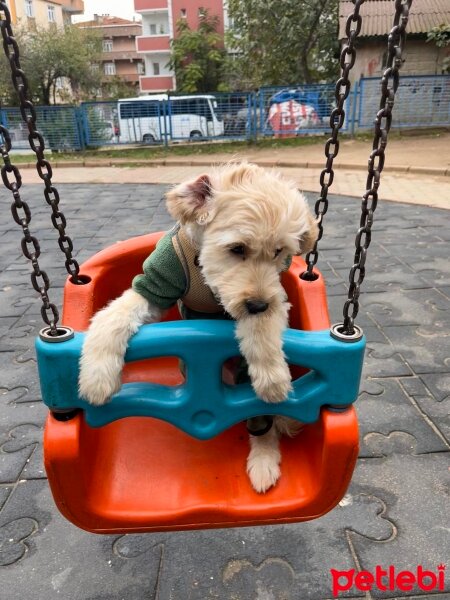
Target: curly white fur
102,358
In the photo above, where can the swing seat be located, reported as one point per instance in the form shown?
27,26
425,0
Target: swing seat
170,454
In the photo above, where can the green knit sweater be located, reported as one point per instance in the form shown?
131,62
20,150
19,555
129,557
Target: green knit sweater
164,281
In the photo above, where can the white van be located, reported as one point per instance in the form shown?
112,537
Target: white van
150,119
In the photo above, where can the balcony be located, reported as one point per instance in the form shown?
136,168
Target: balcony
156,84
144,5
121,55
153,43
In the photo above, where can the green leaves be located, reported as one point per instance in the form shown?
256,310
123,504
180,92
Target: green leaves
283,43
198,57
55,61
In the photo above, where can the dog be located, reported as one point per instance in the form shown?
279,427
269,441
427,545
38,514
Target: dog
237,230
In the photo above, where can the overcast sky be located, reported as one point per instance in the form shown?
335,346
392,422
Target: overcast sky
124,8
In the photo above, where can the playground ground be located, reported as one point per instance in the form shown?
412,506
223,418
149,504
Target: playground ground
395,513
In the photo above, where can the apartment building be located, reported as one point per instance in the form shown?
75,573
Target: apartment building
159,26
42,13
120,58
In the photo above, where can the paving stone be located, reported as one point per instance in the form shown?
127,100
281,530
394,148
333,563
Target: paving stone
389,423
335,284
426,308
413,491
433,399
336,307
423,354
15,375
438,384
393,276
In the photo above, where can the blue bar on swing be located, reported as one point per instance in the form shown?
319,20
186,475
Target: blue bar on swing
204,406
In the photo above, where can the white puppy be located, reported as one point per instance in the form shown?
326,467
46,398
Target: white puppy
237,231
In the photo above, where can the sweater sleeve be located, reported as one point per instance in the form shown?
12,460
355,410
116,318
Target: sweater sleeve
163,280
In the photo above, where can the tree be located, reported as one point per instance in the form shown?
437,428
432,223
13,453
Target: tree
56,61
440,35
197,57
284,43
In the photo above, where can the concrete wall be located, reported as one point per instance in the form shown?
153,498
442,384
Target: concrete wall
40,18
214,7
421,58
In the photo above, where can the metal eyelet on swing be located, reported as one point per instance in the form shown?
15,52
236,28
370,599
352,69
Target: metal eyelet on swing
337,333
64,334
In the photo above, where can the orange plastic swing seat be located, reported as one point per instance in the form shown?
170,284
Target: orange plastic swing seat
141,474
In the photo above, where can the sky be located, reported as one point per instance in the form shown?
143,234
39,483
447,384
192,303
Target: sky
123,8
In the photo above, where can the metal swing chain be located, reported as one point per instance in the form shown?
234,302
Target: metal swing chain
28,240
383,120
337,118
36,141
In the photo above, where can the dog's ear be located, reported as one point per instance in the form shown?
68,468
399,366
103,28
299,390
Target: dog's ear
309,237
188,202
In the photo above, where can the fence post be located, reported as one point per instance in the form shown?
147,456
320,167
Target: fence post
167,118
356,92
255,115
261,111
79,122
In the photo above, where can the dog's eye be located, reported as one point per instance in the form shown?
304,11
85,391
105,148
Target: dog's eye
239,250
278,251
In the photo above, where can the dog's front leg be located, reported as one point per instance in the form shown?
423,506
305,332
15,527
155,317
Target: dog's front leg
263,462
260,341
104,348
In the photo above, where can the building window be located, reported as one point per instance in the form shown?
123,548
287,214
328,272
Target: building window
29,8
155,68
51,14
107,45
152,28
201,12
140,68
110,68
94,67
183,13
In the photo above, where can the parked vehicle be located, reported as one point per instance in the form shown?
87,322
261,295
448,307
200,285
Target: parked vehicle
150,119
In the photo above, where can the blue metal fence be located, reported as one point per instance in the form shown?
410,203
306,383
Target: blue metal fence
422,101
60,126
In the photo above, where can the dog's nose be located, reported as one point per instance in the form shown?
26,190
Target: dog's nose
256,306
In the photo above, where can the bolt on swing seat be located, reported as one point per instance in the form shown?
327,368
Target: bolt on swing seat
169,454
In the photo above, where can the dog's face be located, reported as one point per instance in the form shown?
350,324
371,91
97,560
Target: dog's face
247,221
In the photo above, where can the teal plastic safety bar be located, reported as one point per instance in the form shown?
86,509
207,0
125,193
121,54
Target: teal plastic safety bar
204,406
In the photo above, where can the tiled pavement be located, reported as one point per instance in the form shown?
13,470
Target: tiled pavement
396,511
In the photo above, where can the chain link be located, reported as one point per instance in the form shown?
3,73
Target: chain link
36,142
337,119
30,246
383,120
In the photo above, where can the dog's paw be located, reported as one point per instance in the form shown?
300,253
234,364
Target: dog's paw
263,471
98,382
273,386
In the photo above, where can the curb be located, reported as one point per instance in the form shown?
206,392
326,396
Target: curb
436,171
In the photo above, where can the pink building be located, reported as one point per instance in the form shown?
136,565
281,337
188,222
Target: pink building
159,19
